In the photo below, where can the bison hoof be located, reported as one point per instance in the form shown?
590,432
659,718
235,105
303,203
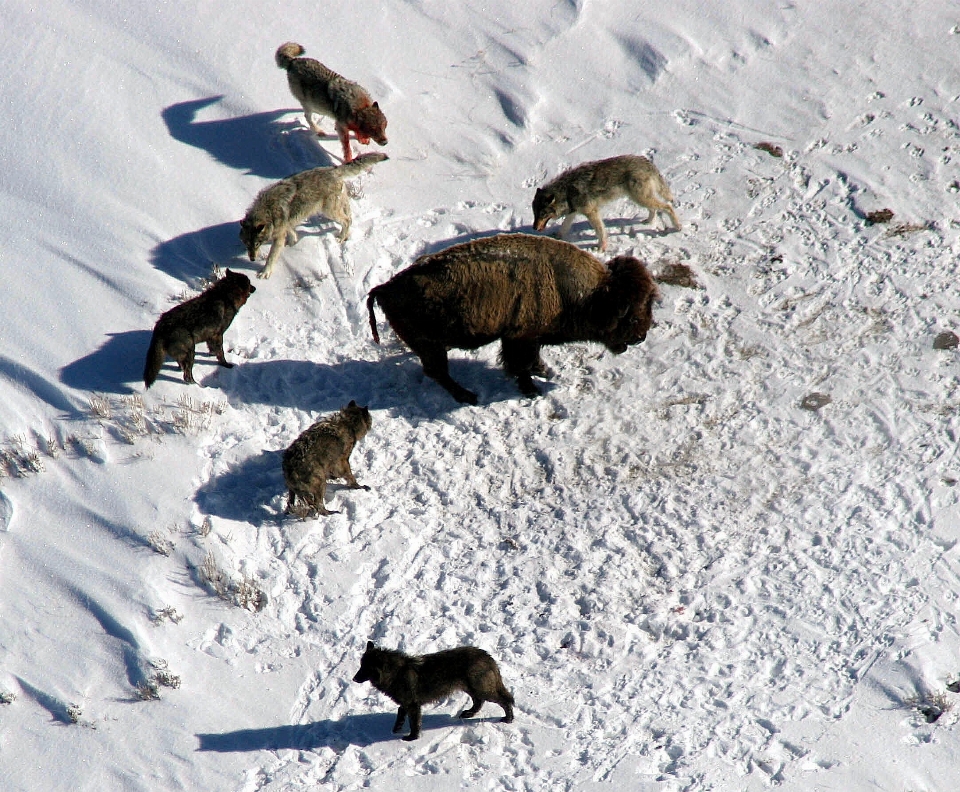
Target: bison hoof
527,388
541,369
464,396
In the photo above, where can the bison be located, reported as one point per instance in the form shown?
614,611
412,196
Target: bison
527,291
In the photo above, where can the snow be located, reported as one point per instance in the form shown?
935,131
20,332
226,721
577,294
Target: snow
694,572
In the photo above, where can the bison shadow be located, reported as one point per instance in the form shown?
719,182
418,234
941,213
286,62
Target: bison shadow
360,730
260,144
111,367
395,382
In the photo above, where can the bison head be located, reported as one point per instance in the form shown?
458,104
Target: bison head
623,307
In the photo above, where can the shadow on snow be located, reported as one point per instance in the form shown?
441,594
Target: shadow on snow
359,730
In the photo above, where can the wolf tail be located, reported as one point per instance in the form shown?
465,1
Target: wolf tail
360,164
665,190
155,358
371,299
286,53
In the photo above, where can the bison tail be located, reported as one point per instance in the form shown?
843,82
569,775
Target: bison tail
373,318
155,358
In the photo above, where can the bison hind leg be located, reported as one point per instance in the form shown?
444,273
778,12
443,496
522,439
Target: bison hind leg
521,358
435,365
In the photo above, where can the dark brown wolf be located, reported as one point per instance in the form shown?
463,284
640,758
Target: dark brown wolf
202,318
323,91
323,452
412,681
527,291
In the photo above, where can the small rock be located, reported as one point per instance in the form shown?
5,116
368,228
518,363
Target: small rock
946,340
814,401
930,712
771,149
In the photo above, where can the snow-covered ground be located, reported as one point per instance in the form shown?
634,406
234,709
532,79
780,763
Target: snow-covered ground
727,559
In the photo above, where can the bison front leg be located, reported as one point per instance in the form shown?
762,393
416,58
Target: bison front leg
521,359
434,360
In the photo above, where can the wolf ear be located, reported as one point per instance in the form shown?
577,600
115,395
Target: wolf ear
353,403
377,105
370,646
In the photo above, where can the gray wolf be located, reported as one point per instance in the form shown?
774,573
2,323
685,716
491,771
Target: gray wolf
321,90
412,681
323,452
202,318
586,188
280,208
527,291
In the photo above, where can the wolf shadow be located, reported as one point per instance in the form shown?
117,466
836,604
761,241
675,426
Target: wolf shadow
360,730
110,368
260,144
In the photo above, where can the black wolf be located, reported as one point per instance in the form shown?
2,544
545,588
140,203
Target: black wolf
202,318
412,681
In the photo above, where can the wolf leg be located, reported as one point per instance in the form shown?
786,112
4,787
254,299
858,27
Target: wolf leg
344,134
186,364
593,215
308,114
339,212
474,707
416,717
278,245
566,225
506,701
343,471
215,347
401,717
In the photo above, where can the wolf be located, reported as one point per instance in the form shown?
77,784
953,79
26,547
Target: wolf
584,189
323,452
321,90
280,208
412,681
202,318
527,291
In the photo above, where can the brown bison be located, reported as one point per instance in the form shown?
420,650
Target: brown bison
525,290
